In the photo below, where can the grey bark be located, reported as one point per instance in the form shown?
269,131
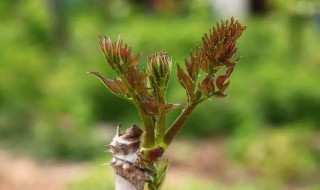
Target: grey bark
130,170
123,184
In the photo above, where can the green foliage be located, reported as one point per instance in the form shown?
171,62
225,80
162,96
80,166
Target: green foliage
286,154
97,178
48,104
147,89
158,175
100,178
40,86
298,7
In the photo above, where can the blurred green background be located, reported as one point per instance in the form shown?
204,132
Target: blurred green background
269,126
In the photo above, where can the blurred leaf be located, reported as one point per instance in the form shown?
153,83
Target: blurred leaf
159,173
186,83
121,85
170,107
207,86
193,64
112,85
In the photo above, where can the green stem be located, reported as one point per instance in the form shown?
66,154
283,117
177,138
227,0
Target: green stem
148,137
160,128
148,140
178,124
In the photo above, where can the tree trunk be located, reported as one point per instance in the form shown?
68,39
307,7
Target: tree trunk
131,171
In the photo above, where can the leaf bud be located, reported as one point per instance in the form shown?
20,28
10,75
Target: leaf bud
159,70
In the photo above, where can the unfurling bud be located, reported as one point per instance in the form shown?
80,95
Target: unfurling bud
159,70
117,54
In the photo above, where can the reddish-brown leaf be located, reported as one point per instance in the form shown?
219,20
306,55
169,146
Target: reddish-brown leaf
170,107
221,80
186,83
219,46
193,64
121,85
150,104
219,94
110,84
136,79
207,86
117,54
133,61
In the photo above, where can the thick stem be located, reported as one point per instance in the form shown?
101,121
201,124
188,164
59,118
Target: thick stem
178,124
148,140
160,128
130,169
123,184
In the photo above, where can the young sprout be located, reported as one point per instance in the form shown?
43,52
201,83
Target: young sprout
135,153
